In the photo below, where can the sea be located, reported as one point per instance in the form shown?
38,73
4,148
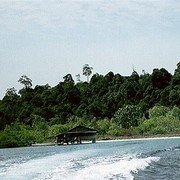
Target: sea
141,159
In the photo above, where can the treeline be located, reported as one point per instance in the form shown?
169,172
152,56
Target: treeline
114,104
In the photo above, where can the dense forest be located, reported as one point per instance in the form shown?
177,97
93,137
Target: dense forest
115,105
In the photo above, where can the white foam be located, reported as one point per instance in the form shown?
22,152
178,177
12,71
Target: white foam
77,168
39,167
105,169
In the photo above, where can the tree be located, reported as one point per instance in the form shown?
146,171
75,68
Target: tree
174,97
176,77
68,79
157,111
175,112
11,92
109,77
134,76
160,78
78,78
177,71
24,80
87,71
128,116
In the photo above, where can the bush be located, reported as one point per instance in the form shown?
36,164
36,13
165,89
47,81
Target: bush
114,130
175,112
16,135
56,129
103,126
158,130
160,125
128,116
157,111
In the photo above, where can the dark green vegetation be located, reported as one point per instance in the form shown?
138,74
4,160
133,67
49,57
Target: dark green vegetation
115,105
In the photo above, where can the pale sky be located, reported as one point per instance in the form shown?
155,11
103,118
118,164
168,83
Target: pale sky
48,39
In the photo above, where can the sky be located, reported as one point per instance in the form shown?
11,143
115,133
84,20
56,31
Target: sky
47,39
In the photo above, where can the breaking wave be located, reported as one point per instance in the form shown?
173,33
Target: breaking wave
55,168
108,168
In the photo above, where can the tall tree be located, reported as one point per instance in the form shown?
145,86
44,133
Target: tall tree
11,92
26,81
68,79
176,77
87,71
160,78
177,70
78,78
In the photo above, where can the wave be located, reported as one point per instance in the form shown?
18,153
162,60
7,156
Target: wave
55,168
30,169
103,161
104,168
156,152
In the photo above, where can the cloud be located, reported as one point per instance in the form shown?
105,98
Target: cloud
51,15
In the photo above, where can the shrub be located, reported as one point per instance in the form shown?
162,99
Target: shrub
16,135
128,116
58,129
157,111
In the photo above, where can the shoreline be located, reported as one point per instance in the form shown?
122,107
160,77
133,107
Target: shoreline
139,138
110,139
116,139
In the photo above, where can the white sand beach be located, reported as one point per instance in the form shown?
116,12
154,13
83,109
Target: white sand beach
139,139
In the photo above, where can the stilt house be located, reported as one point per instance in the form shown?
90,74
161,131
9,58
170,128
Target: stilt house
77,135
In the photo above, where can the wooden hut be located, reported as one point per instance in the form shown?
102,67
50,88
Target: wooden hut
77,135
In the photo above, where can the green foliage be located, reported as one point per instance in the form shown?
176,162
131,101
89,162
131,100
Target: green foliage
57,129
11,93
128,116
68,79
16,135
87,71
107,127
113,130
157,111
175,112
103,126
113,104
26,81
174,96
78,76
160,78
40,125
164,122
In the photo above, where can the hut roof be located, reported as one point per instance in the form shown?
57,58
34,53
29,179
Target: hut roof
79,130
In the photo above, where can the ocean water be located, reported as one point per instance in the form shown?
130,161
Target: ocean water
153,159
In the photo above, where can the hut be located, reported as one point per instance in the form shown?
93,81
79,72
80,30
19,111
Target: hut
77,135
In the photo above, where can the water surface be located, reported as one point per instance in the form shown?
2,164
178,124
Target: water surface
136,159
